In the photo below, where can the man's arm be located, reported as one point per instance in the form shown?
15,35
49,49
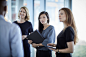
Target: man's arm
16,42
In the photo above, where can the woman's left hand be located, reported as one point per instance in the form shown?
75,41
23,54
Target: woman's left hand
34,45
30,41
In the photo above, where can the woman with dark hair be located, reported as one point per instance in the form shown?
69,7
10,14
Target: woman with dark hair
48,32
67,37
26,28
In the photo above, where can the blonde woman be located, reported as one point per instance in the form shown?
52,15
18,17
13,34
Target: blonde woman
26,28
67,37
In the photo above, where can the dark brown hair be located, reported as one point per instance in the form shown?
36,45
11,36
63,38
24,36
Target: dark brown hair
40,28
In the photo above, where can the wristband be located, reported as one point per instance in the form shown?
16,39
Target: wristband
38,46
58,51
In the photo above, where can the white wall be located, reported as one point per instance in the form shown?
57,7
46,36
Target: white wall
79,12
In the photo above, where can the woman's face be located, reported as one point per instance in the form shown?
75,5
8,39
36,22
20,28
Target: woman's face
22,13
62,16
43,19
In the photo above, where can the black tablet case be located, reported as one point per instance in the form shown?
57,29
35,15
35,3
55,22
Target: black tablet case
36,37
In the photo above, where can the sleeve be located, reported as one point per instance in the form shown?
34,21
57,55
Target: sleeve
69,33
16,45
50,37
31,28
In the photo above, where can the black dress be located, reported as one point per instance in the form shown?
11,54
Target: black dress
62,39
26,28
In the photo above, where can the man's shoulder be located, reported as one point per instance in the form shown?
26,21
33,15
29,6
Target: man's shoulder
10,25
14,26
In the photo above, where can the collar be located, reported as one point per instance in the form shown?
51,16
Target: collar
1,17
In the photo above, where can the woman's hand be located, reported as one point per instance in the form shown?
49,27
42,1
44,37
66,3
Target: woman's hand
51,44
30,41
56,50
35,45
66,50
23,37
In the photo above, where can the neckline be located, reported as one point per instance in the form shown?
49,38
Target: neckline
21,23
66,28
47,27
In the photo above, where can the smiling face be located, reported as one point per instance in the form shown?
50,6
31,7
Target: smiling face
22,13
62,16
43,19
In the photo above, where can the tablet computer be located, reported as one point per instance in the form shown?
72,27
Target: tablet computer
51,47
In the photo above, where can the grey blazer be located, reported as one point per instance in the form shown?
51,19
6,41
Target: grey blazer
10,39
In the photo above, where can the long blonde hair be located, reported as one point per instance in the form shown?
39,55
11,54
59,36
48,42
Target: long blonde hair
70,22
27,17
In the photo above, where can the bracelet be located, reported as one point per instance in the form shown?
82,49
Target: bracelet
58,51
38,46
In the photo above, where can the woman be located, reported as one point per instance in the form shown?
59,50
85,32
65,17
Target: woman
67,37
48,32
26,28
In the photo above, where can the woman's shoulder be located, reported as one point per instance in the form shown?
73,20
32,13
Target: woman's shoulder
28,22
52,26
69,28
15,22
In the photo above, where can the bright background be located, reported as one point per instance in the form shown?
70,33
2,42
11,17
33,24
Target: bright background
78,7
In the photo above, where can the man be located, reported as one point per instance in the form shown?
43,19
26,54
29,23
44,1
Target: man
10,36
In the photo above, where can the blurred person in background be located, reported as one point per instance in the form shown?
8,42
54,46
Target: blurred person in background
26,28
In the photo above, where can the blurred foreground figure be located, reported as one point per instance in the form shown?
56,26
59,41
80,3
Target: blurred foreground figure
10,36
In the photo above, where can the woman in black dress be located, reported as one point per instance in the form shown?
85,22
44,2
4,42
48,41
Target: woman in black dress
26,28
67,37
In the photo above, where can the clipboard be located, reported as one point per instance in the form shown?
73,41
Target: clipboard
36,37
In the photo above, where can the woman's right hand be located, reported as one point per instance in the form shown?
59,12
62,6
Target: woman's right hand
23,37
51,44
